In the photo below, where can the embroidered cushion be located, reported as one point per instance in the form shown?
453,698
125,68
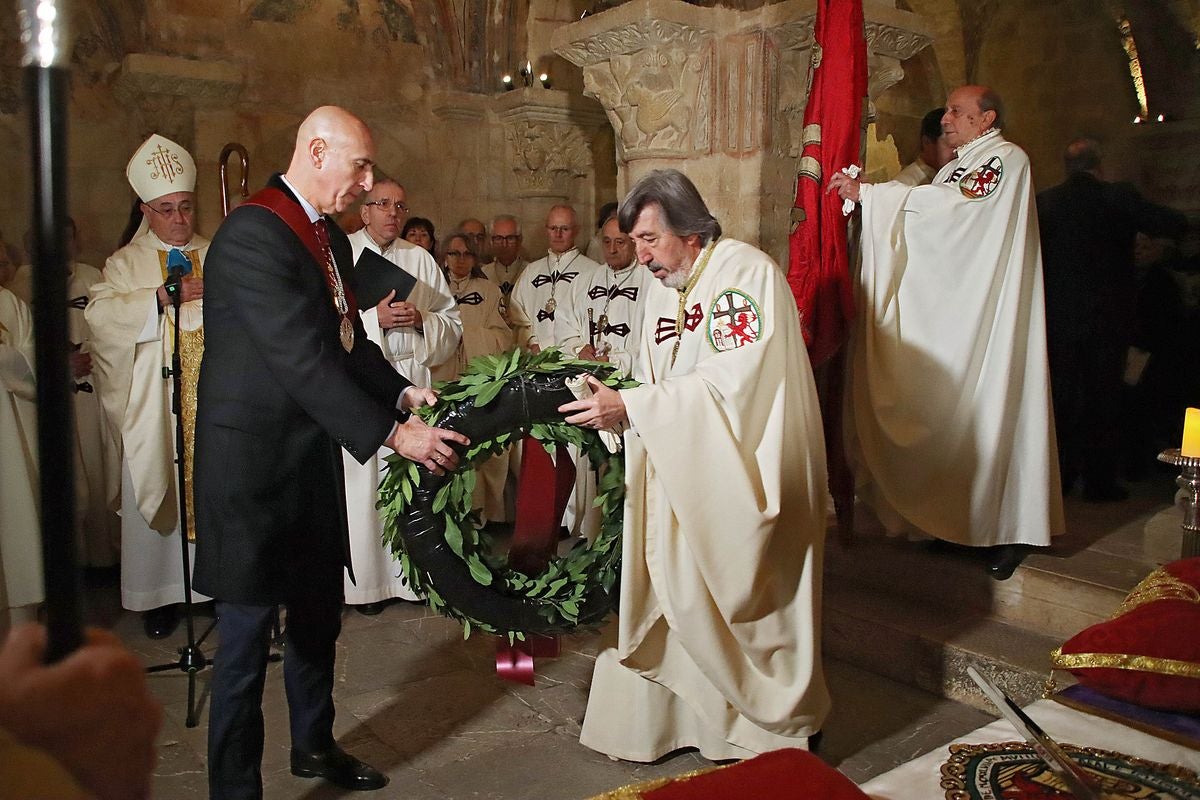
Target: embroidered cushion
1149,652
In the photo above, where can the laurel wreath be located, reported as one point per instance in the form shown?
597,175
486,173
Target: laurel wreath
560,591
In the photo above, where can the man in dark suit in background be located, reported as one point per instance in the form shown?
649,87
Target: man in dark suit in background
1088,227
289,376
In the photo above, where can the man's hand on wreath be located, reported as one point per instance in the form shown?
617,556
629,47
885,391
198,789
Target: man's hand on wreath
416,396
604,409
430,447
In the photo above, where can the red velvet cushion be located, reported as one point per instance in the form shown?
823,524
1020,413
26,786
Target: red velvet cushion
1149,653
779,775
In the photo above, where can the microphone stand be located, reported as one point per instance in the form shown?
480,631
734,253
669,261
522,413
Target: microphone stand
191,657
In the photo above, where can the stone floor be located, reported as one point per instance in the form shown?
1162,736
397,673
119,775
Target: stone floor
422,704
419,702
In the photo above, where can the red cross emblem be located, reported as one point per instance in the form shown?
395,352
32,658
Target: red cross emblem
983,180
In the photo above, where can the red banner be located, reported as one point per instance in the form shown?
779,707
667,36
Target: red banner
818,269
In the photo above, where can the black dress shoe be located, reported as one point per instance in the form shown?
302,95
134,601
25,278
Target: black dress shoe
1005,560
370,609
159,623
339,768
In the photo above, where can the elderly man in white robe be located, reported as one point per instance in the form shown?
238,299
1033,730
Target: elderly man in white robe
507,264
610,306
415,334
718,638
541,307
97,461
950,427
131,315
20,540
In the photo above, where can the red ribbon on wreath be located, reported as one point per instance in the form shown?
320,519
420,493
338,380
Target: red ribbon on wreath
542,494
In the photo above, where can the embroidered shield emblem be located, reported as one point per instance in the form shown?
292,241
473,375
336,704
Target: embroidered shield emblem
983,180
1014,770
734,321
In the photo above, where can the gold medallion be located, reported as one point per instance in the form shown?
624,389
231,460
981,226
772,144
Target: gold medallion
551,305
347,332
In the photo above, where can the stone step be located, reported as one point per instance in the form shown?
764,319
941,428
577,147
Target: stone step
930,645
1057,594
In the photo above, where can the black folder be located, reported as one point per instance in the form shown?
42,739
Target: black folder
374,277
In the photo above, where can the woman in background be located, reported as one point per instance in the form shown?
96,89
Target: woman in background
484,332
419,231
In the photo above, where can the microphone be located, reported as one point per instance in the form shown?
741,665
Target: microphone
178,266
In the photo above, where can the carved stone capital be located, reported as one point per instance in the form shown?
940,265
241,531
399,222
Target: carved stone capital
893,41
631,37
546,157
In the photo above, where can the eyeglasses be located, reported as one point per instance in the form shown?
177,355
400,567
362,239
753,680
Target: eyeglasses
560,228
186,209
386,205
512,238
459,253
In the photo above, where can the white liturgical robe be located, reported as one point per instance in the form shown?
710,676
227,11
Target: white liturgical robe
20,533
918,173
609,309
718,638
504,277
131,353
540,307
413,353
949,422
485,332
97,458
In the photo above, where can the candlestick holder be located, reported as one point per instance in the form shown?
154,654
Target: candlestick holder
1189,481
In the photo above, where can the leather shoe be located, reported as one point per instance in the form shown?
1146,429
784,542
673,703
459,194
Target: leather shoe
370,609
1005,560
159,623
339,768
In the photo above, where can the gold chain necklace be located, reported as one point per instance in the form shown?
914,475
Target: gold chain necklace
681,313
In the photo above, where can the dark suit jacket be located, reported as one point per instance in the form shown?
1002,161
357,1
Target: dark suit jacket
277,397
1088,228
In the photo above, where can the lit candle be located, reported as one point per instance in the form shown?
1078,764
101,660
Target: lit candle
1191,434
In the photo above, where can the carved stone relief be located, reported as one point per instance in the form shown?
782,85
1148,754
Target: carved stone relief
547,157
657,99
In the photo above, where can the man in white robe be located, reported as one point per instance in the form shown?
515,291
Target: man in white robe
132,319
935,152
949,426
415,334
97,461
718,638
547,285
20,531
543,312
476,232
610,306
507,266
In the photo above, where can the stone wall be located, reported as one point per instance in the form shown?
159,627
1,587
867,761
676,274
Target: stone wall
206,72
426,75
1063,73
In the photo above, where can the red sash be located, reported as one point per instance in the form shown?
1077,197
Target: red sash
293,215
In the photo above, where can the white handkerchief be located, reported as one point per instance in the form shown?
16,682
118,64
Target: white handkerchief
579,387
848,205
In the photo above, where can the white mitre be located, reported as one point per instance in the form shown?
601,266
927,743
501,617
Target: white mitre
160,167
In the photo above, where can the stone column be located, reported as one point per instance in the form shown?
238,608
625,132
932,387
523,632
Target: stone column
719,94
